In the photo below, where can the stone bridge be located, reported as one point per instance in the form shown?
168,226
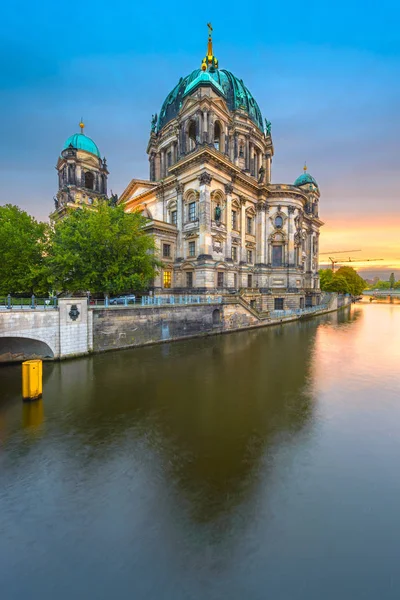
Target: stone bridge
46,333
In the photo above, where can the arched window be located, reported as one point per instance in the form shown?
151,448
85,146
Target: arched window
278,222
89,180
217,136
192,135
71,173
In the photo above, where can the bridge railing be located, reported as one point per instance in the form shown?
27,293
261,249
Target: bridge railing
31,303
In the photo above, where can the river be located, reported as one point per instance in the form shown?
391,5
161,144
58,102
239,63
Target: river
255,465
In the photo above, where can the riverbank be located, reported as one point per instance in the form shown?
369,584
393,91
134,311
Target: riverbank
76,329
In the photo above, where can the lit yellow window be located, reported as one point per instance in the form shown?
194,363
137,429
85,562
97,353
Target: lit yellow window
167,278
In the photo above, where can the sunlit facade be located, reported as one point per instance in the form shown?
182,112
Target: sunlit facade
218,221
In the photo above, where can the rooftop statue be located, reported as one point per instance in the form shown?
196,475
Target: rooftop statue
267,127
261,174
154,119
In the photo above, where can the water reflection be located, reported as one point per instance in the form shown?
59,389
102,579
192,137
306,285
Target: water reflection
32,415
206,411
212,468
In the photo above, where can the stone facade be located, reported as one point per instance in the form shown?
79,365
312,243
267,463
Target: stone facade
219,222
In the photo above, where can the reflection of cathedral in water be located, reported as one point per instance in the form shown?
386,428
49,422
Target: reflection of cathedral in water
211,419
219,222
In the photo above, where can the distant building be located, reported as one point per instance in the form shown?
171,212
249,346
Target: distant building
219,223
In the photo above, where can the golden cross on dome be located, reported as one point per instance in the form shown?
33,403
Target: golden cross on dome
82,125
305,167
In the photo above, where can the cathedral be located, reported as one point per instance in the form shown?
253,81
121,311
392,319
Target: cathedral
220,225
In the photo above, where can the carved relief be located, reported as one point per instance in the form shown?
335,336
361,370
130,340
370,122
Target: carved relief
205,178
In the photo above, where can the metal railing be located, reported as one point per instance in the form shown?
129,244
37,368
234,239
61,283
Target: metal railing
293,312
9,302
182,299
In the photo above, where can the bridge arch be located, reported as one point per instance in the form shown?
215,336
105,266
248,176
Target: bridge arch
16,348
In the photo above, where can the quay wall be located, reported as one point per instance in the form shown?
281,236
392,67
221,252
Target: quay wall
124,327
74,329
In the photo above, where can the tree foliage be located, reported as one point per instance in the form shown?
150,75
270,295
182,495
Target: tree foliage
392,280
103,250
345,281
23,242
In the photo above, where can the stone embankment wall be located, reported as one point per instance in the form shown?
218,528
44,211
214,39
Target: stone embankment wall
124,327
75,330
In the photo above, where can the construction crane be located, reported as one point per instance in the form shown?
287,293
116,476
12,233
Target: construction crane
333,260
355,260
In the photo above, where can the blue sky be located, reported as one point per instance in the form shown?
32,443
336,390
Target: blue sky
326,75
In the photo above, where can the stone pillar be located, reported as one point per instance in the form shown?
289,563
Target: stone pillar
267,168
199,124
179,220
211,131
205,126
162,164
76,333
247,152
260,224
243,228
228,220
235,147
157,162
291,253
222,140
205,215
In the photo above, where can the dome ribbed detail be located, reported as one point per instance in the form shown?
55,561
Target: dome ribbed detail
232,89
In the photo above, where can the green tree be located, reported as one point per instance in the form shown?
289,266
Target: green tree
392,281
103,250
23,242
345,281
356,284
332,282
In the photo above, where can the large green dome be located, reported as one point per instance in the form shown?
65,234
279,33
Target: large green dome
80,141
231,88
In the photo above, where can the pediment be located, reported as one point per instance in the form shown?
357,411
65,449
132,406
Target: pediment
136,188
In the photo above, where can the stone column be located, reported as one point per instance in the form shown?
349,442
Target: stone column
205,127
243,228
267,168
199,127
247,151
222,140
291,255
158,166
162,164
211,131
260,234
205,215
179,220
228,220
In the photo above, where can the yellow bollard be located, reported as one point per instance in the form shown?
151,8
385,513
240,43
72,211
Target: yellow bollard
32,379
